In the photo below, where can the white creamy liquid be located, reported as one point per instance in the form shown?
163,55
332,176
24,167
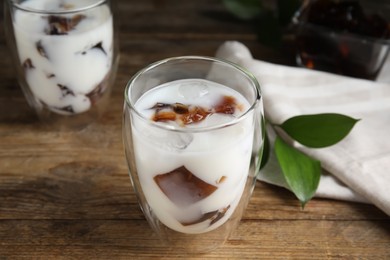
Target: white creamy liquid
65,68
219,158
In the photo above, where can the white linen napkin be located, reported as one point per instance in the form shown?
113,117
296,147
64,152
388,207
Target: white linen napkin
358,167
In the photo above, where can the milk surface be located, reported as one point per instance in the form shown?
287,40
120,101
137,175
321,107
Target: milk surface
63,70
217,160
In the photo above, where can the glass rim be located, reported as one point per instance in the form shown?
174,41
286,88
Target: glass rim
93,4
168,127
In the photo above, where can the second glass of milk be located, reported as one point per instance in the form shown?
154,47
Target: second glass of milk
66,57
193,132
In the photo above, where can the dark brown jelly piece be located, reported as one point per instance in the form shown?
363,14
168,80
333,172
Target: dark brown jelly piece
99,46
177,111
214,216
195,114
164,116
227,105
27,64
65,90
180,108
68,109
41,49
188,114
204,217
168,112
62,25
222,179
220,214
182,187
99,90
158,106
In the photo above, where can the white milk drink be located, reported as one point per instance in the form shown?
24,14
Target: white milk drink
67,59
194,175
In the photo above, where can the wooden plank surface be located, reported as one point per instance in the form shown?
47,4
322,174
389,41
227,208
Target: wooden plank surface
68,195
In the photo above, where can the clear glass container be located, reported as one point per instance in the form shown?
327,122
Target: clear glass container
193,175
66,57
348,37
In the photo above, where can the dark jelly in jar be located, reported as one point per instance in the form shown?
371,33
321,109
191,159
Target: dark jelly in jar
348,37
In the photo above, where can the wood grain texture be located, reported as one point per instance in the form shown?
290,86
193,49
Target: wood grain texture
67,195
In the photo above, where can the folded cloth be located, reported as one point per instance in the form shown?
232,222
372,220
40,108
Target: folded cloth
358,167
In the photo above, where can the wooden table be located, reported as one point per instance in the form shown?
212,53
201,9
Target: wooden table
68,194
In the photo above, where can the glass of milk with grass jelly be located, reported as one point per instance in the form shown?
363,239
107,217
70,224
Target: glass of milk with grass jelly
66,57
193,133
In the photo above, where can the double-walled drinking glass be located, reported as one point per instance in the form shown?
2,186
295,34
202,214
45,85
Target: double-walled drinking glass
193,131
66,56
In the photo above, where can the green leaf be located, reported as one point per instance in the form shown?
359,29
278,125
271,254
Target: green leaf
265,152
319,130
265,149
301,172
243,9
